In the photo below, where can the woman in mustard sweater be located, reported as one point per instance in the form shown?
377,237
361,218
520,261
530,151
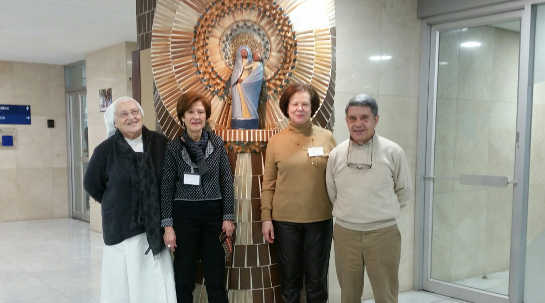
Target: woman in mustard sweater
295,207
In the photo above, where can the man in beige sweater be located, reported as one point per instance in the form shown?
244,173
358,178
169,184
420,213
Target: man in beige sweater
368,182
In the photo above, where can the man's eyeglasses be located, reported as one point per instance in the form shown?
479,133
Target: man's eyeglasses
134,112
359,166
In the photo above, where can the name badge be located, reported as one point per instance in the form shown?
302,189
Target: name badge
192,179
315,151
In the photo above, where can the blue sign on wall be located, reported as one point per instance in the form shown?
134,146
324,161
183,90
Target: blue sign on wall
15,114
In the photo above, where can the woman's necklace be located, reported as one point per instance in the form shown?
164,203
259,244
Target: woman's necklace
314,160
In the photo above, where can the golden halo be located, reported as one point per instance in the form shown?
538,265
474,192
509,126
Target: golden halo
186,51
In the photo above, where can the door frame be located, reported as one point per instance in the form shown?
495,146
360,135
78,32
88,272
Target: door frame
71,160
426,128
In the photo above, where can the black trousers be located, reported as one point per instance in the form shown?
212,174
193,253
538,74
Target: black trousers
198,225
303,251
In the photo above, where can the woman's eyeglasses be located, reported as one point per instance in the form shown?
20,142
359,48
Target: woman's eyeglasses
134,112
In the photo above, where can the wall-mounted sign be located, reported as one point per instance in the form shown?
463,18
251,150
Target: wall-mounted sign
15,114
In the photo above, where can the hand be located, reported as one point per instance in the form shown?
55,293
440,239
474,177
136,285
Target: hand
228,227
268,231
170,238
240,80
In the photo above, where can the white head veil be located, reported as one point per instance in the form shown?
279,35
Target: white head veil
238,68
109,115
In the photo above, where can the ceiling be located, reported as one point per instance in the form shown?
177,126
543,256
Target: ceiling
513,26
63,31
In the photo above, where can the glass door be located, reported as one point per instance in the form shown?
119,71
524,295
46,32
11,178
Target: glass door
471,157
79,153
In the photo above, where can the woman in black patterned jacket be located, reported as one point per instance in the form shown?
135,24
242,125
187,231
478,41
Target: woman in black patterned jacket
197,201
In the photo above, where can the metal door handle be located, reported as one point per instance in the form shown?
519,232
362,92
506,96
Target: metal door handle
478,180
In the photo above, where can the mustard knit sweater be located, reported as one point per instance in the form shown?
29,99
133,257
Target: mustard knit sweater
293,189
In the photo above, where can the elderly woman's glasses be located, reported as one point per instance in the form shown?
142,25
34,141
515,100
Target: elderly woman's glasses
134,112
360,166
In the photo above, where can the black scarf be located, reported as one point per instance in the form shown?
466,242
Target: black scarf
145,192
197,149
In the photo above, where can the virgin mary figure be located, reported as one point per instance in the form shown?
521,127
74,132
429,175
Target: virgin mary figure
245,87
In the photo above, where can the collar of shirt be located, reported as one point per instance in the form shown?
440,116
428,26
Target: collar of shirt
136,144
365,145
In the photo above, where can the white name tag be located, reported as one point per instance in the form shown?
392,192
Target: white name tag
192,179
315,151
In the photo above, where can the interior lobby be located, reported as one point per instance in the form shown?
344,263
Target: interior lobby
460,87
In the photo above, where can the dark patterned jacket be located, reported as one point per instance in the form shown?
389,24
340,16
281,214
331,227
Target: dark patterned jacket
216,184
110,180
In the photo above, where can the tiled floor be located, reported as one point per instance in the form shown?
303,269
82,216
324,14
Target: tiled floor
49,261
59,261
420,297
497,282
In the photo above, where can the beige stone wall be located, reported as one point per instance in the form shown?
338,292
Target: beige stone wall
34,175
110,67
368,28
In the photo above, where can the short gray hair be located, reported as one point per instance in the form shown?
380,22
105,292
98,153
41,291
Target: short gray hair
363,100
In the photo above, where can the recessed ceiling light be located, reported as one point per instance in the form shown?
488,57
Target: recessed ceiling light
464,29
471,44
377,58
443,63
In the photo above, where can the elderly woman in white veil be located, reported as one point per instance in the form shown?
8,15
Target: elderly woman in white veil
124,175
245,87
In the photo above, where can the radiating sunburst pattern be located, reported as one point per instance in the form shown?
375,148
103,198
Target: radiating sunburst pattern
192,50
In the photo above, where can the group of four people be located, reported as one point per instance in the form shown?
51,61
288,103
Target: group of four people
158,196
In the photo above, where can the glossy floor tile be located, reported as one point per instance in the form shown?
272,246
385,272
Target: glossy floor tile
59,261
420,297
497,282
49,261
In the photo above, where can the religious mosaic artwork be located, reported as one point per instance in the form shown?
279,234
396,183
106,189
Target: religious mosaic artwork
194,47
241,54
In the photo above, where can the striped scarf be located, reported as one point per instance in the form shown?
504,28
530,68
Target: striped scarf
197,149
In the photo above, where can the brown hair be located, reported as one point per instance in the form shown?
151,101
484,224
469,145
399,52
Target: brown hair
299,87
187,99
